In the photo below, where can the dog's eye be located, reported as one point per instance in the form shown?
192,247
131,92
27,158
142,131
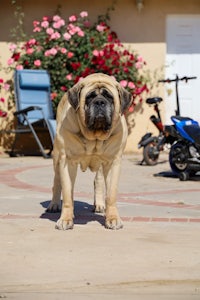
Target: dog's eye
90,96
107,95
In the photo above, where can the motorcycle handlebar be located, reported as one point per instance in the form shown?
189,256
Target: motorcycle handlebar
185,78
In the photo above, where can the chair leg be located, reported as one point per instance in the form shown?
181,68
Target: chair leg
45,155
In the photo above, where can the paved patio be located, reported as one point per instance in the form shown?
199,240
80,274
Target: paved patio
155,256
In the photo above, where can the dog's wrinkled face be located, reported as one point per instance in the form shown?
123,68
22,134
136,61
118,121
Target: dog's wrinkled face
99,101
99,109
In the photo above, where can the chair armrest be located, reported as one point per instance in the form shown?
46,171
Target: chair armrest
26,110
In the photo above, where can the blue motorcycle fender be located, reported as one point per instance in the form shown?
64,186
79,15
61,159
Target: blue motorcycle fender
147,139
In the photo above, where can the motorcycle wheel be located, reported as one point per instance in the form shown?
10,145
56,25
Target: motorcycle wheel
151,154
183,176
177,158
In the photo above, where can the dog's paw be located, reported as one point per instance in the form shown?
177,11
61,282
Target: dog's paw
53,208
64,224
99,208
113,222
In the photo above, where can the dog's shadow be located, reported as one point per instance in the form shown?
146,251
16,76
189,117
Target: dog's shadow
83,213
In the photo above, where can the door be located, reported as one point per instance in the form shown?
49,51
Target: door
183,59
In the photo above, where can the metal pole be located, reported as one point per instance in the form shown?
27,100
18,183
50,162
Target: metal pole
177,98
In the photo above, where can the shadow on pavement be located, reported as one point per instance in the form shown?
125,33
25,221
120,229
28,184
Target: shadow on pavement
165,174
141,163
169,174
82,210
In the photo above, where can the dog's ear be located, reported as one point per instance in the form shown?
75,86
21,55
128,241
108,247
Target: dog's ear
74,94
125,98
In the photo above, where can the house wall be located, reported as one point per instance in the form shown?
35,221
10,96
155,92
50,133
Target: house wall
144,31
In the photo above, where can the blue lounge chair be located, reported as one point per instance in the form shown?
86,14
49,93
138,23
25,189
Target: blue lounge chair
34,110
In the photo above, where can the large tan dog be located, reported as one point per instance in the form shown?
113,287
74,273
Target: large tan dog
92,132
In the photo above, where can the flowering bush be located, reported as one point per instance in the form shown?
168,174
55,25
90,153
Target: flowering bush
73,49
4,86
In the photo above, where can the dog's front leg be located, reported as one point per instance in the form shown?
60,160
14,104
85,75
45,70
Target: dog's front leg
99,203
68,173
54,205
111,174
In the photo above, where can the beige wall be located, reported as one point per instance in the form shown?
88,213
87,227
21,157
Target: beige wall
144,30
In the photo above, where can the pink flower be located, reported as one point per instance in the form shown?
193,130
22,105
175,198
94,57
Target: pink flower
81,33
12,47
95,52
50,31
131,109
53,96
72,18
10,61
45,18
56,25
69,77
1,80
83,14
138,65
19,67
62,22
73,29
37,29
35,23
63,50
47,53
59,23
100,28
56,35
63,88
45,24
123,83
29,50
67,36
70,54
32,42
53,51
2,100
131,85
139,58
37,63
56,18
6,87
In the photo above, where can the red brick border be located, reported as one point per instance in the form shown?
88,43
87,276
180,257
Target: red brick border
8,177
90,218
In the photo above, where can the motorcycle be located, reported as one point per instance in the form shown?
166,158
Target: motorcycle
153,145
184,155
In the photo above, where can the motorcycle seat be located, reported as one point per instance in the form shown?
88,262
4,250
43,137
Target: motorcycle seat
154,100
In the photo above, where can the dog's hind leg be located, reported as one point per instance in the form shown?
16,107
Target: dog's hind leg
111,175
99,185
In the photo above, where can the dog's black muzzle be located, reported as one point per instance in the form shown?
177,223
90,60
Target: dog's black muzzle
99,114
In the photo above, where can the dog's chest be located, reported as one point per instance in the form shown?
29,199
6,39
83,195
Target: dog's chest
92,155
